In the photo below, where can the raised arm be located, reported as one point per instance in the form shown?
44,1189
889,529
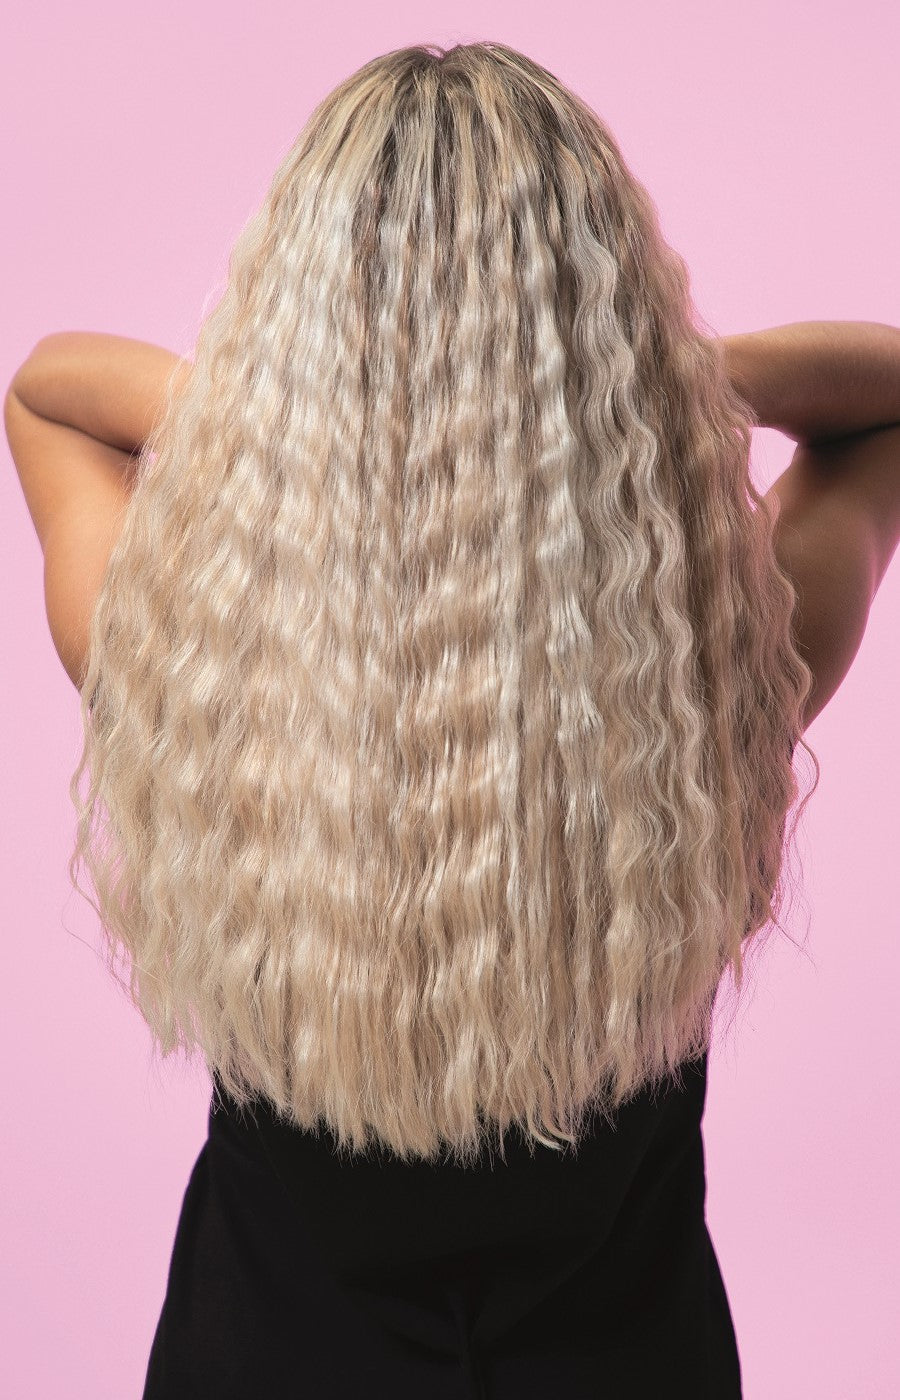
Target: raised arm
834,387
76,413
818,380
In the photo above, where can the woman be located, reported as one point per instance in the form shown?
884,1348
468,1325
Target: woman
441,672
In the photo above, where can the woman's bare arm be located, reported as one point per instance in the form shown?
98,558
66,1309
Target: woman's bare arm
834,387
818,380
111,387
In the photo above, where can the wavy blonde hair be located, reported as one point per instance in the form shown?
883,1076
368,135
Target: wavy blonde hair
443,752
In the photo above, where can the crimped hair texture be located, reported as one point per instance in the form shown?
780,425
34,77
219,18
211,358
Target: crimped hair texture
442,695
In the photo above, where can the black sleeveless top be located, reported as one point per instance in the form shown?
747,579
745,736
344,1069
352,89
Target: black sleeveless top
299,1273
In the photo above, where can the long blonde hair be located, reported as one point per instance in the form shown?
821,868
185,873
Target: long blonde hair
442,696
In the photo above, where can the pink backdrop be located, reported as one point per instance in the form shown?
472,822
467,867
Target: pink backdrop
144,139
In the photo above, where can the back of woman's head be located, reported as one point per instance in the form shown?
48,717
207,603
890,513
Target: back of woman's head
441,760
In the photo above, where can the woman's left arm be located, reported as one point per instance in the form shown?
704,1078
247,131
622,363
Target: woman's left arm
104,389
76,413
109,386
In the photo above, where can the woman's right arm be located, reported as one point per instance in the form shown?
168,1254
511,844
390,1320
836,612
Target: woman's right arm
818,380
834,387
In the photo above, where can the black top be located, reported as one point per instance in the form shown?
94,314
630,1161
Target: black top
299,1273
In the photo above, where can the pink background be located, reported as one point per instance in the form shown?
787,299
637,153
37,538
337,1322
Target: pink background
143,141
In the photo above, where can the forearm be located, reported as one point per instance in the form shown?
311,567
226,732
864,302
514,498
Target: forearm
109,386
817,380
